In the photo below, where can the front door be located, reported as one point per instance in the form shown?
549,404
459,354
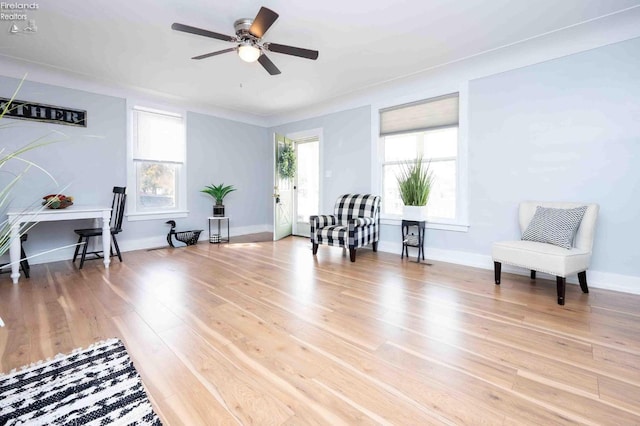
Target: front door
284,171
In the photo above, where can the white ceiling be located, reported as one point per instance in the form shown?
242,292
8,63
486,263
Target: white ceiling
361,43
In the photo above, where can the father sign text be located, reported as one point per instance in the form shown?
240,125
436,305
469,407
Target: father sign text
24,110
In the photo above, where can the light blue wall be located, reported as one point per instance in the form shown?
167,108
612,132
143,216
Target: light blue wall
87,161
91,160
566,129
83,158
345,152
233,153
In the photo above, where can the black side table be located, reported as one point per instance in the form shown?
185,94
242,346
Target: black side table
411,240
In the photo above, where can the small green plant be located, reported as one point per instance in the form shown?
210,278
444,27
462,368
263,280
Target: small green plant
218,192
415,181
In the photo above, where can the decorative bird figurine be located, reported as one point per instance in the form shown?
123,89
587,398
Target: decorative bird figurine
188,237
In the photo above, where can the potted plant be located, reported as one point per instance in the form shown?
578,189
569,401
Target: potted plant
415,181
218,192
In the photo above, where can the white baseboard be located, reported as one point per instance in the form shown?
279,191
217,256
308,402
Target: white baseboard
161,240
596,279
143,243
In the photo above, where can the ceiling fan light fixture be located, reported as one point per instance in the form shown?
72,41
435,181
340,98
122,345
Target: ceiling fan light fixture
248,53
248,41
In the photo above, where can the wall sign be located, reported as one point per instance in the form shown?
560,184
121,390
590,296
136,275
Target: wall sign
24,110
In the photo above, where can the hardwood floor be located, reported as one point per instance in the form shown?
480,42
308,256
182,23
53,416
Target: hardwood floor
264,333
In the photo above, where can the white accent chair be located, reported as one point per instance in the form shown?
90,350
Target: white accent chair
549,258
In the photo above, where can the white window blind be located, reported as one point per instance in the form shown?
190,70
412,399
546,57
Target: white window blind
158,136
419,116
157,164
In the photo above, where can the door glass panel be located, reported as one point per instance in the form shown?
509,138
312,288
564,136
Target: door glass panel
308,181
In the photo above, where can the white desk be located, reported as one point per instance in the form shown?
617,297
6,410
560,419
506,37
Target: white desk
18,217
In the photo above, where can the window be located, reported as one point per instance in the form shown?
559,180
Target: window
157,167
429,129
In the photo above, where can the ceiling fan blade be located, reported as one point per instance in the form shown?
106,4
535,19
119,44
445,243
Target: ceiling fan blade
290,50
268,65
200,32
263,21
219,52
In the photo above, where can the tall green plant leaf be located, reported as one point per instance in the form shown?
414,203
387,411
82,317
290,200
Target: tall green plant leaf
7,157
415,180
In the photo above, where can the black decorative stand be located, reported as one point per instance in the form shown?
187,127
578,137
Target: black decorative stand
217,238
411,239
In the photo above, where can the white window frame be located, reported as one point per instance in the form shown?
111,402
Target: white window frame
180,209
461,222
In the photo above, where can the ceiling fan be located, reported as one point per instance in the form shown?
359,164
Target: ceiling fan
250,47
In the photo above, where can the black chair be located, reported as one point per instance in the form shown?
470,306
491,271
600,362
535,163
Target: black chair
24,263
117,214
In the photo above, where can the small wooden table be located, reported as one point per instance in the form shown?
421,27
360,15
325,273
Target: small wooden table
408,241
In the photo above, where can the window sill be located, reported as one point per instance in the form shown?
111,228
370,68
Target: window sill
174,214
431,224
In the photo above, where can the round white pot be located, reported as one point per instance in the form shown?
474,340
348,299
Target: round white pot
414,213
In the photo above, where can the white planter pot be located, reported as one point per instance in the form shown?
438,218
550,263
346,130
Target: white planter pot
414,213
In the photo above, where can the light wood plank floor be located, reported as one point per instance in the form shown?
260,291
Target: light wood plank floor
264,333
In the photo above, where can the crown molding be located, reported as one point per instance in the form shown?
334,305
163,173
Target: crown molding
606,30
40,73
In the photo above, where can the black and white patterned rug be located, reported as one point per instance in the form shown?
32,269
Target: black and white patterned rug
94,386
